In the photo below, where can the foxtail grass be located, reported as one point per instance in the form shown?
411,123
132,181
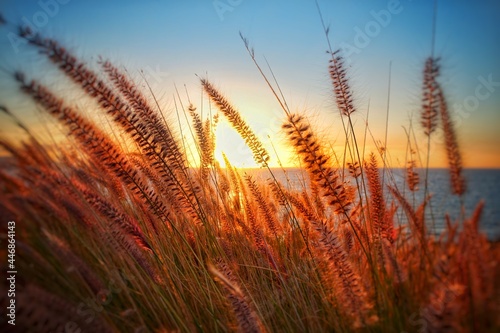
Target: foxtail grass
145,239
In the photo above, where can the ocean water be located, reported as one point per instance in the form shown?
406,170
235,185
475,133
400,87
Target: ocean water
482,184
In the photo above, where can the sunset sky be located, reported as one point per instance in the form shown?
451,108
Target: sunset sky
172,41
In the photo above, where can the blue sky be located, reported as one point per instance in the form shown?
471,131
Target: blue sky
171,41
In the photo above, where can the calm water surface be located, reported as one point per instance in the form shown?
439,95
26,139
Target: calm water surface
482,184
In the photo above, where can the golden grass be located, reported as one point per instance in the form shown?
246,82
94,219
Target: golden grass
111,241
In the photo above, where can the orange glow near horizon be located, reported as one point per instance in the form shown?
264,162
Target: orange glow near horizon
282,155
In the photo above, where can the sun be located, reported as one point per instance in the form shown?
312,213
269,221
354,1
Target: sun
239,155
230,144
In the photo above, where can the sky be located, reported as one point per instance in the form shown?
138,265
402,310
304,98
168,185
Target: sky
170,43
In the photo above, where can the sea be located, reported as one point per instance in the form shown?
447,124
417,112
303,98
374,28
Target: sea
482,185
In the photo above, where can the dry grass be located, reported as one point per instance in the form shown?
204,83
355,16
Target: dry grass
113,241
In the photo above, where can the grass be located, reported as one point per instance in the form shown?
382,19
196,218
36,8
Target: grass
140,240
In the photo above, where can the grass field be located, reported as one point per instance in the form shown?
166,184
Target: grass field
141,239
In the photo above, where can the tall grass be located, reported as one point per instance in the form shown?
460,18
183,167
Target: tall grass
111,240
